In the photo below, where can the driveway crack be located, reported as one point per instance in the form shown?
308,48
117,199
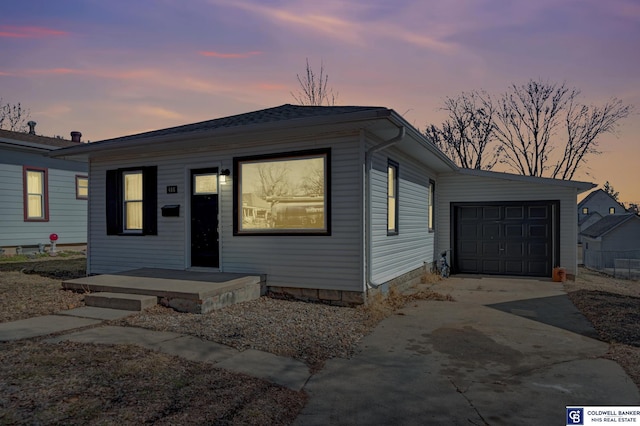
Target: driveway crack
462,392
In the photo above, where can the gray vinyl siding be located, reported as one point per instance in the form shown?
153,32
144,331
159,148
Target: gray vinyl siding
67,215
394,255
625,237
465,188
327,262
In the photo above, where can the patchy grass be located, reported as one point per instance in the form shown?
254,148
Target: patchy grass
73,383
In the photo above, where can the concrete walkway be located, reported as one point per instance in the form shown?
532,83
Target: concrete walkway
464,363
84,325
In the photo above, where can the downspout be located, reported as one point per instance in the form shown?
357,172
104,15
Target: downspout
369,191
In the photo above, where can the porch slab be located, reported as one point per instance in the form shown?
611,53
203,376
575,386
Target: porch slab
184,291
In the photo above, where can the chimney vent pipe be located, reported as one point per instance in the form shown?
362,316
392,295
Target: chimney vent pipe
75,136
32,127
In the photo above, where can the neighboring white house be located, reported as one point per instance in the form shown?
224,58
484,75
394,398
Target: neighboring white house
40,195
328,202
593,207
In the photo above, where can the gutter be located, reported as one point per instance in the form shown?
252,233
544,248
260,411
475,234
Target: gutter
368,191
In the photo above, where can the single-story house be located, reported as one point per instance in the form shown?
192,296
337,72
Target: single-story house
612,237
40,195
327,202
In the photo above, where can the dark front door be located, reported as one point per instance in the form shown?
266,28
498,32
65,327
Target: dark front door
204,218
504,239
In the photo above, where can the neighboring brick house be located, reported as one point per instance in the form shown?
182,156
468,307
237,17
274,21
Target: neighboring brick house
40,195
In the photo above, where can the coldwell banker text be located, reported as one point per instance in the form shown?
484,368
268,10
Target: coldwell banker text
599,415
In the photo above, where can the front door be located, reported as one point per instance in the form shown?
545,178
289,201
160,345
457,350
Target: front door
204,218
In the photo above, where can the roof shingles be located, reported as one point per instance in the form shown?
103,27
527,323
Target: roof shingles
606,224
269,115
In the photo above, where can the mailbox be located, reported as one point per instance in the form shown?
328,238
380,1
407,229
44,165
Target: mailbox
171,210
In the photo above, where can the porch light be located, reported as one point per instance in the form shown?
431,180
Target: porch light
223,175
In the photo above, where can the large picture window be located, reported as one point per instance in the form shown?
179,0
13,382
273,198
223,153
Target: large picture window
132,201
36,202
283,194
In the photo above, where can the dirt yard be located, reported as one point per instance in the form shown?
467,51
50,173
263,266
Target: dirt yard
71,383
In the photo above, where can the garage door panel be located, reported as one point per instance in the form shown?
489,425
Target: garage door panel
514,249
468,213
538,212
490,231
514,267
469,265
490,267
539,268
491,213
514,212
490,249
469,231
541,231
509,238
468,248
537,249
513,231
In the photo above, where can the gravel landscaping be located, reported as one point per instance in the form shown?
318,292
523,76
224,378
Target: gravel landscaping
72,383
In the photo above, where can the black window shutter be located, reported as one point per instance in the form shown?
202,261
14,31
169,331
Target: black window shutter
150,203
113,207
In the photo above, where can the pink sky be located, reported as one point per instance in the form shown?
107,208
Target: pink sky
117,67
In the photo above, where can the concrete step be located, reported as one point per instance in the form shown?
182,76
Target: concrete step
127,302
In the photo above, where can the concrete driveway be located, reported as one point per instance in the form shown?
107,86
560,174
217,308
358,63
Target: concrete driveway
502,354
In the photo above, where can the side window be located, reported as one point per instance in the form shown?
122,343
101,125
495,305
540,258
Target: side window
432,193
392,198
35,194
612,210
82,187
585,210
132,201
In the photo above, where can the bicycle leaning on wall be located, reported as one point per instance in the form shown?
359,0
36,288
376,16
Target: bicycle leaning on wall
441,266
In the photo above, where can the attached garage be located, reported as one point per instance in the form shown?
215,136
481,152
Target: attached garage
509,238
503,224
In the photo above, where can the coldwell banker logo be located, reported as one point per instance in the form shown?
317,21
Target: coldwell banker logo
575,416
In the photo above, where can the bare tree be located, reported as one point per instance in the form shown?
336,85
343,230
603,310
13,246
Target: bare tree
273,181
467,134
531,117
313,183
608,188
314,88
13,117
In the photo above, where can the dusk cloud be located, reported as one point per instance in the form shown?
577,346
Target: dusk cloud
11,31
228,55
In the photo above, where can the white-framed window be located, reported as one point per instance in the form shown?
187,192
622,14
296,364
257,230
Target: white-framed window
392,197
36,199
432,194
132,201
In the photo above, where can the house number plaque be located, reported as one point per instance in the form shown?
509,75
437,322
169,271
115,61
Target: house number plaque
172,189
